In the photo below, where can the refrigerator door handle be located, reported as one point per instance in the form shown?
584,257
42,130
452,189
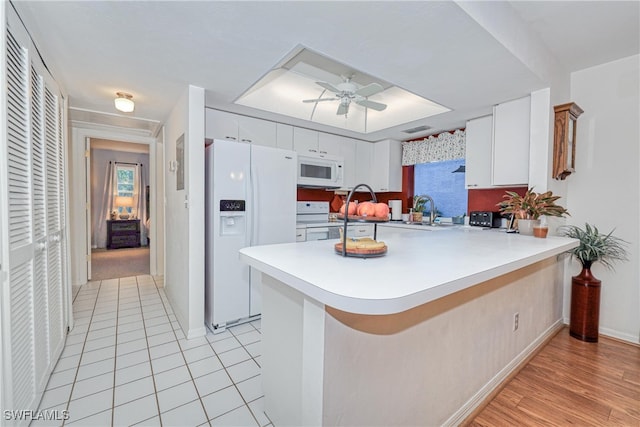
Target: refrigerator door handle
253,235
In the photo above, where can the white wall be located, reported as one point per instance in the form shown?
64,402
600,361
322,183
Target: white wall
184,213
605,189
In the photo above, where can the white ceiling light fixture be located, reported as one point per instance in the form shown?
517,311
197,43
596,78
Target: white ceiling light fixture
124,102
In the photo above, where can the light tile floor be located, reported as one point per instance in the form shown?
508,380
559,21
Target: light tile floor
127,362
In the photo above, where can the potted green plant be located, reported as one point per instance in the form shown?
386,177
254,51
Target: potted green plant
528,209
585,288
419,203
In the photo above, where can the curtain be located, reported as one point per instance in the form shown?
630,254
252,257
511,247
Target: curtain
445,146
140,203
99,227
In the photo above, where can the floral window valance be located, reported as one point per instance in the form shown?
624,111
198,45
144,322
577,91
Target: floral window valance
445,146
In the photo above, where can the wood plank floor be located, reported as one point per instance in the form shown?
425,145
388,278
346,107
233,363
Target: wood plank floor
570,382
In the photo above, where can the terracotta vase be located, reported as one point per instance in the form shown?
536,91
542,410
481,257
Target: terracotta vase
417,217
540,232
585,305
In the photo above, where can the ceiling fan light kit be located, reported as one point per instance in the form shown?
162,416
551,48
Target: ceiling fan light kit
348,91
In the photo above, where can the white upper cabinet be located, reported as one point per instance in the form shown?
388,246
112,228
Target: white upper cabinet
257,131
363,169
221,125
330,144
234,127
284,136
346,148
511,142
478,157
497,147
386,166
305,141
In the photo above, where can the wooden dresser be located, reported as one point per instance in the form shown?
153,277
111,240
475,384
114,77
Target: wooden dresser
124,233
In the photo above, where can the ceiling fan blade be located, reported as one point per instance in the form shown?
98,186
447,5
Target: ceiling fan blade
342,109
328,86
320,99
370,89
372,104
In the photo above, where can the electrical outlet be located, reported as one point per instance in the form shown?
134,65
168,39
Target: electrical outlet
516,321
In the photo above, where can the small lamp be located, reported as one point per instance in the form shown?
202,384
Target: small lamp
124,202
124,102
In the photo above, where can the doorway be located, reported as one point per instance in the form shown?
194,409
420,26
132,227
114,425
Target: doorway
120,214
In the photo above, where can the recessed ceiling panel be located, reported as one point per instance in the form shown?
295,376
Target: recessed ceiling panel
315,88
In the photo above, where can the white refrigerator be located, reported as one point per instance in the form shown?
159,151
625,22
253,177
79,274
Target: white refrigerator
250,200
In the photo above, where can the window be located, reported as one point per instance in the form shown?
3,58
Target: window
446,187
125,183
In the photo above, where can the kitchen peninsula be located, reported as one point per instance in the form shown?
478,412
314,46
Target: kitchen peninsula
416,337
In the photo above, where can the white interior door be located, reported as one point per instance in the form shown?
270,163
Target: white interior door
87,161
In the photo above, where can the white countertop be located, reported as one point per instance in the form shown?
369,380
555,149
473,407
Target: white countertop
418,267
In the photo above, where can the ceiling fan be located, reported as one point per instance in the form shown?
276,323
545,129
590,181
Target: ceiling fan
347,91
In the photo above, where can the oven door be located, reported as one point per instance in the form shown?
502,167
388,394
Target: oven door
317,233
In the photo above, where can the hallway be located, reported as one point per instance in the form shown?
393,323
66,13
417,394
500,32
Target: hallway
126,362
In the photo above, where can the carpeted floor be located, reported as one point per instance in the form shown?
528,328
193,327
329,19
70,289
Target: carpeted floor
111,264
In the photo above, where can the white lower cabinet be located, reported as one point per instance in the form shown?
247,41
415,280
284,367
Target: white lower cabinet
360,230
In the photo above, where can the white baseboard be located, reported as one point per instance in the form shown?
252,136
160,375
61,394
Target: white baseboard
634,339
476,400
623,336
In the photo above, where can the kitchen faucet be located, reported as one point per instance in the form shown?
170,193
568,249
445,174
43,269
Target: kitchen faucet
432,215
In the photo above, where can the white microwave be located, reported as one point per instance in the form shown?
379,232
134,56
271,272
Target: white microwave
323,171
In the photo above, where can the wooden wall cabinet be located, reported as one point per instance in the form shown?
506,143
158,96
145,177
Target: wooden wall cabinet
564,139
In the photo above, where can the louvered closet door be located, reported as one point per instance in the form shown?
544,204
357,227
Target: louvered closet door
40,288
35,163
54,168
23,393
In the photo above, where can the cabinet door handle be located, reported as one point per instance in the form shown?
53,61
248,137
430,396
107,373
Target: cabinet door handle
313,151
246,140
233,138
323,152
